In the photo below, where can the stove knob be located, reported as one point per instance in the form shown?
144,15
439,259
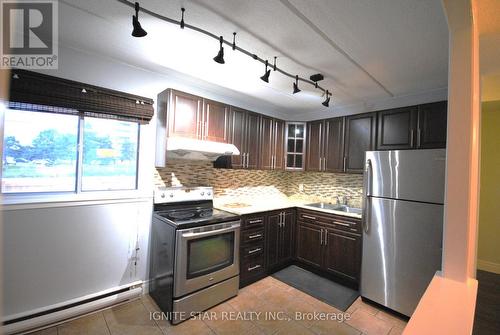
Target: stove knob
171,195
163,195
202,193
209,194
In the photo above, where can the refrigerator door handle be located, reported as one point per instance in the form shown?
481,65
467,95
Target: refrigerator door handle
367,196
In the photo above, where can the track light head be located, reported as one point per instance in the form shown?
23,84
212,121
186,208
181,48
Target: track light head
296,85
137,31
182,17
327,100
220,55
265,77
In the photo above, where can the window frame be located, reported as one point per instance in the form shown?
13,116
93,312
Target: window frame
77,194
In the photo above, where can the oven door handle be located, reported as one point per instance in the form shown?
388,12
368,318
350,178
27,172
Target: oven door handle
191,235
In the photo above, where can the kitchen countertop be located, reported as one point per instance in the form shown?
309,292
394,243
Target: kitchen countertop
249,205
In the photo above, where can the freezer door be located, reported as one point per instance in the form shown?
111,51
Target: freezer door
402,246
416,175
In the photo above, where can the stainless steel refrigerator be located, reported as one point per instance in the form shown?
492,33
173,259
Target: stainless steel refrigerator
402,225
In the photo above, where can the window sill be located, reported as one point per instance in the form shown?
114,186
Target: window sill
32,201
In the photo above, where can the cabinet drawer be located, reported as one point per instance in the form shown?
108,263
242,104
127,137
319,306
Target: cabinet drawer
313,217
251,236
253,250
349,224
352,226
252,222
252,266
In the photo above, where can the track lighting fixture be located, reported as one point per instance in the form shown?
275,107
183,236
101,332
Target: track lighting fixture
327,100
296,85
220,56
182,17
265,77
137,31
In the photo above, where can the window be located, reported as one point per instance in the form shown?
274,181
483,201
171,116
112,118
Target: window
40,153
109,155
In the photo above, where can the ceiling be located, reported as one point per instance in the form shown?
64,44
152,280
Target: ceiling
368,50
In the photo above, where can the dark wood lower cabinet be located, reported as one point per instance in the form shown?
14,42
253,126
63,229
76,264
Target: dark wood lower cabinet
326,243
252,248
280,234
309,244
326,247
342,254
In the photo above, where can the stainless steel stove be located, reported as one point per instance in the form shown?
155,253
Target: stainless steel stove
194,252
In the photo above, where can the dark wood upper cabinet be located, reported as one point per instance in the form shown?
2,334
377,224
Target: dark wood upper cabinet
252,140
237,135
314,152
184,114
333,151
415,127
272,142
279,144
267,143
309,247
294,146
360,137
432,122
245,135
397,128
325,145
342,254
215,121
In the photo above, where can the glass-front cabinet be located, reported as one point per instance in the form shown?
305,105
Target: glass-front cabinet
295,145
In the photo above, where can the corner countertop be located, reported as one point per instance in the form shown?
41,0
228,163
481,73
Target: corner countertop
249,205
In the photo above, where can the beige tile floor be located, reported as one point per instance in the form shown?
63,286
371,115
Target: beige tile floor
266,295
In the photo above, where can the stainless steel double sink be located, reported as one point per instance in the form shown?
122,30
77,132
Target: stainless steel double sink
336,207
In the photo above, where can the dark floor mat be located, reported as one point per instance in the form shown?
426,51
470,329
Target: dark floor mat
334,294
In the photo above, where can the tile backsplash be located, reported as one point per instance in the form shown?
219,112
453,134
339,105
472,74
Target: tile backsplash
314,186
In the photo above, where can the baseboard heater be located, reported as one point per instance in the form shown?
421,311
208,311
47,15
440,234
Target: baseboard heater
51,315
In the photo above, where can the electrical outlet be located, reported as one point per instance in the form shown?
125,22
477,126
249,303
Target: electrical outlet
301,187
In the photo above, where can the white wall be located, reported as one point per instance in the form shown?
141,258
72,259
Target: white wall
55,254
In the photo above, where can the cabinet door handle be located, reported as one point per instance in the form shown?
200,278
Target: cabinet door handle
308,217
411,138
418,137
321,237
326,236
206,130
255,221
254,251
347,237
248,158
342,224
254,236
254,267
345,159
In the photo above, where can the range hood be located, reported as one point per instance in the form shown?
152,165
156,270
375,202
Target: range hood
189,148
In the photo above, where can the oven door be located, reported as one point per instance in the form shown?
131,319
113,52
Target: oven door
205,256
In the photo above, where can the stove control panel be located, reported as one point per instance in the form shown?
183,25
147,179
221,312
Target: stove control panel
181,194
